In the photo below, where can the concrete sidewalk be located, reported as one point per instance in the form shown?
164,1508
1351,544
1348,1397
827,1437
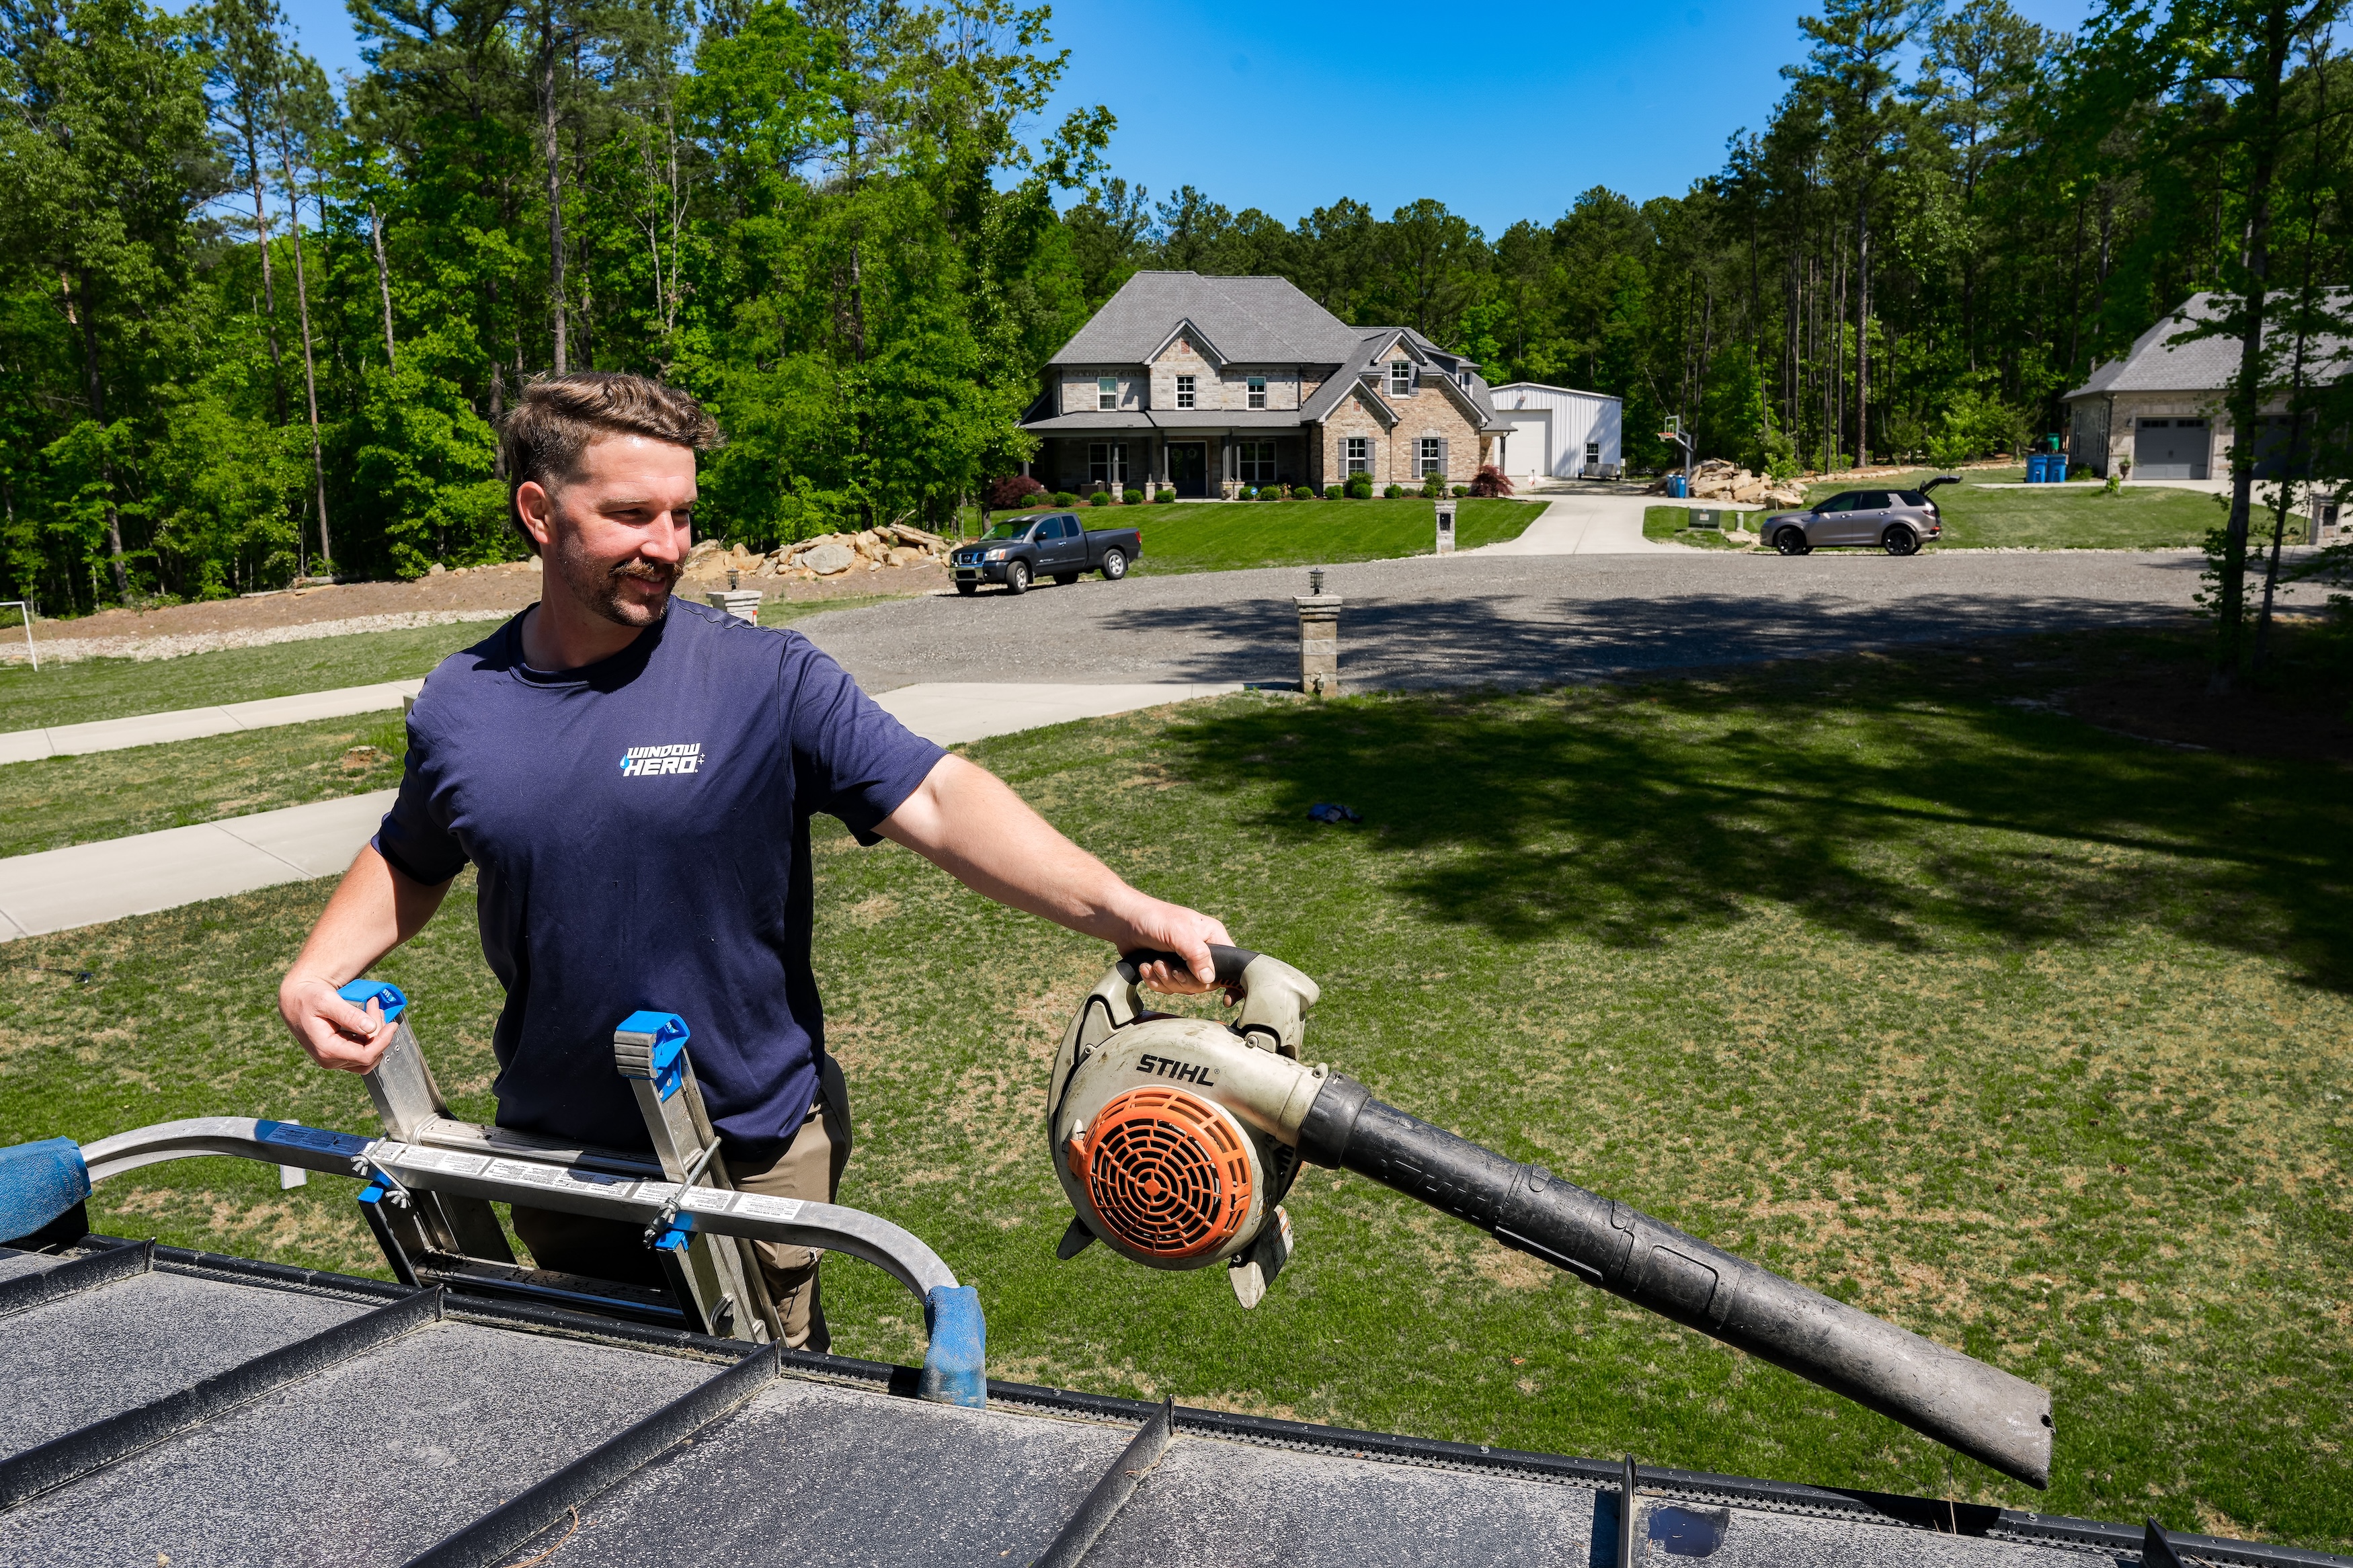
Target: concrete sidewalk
192,723
86,884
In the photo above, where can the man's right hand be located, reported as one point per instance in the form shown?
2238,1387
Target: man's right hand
336,1034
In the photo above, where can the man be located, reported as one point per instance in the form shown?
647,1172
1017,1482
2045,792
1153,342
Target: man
634,777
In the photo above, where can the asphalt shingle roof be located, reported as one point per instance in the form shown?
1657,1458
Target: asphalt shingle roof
1250,320
2202,364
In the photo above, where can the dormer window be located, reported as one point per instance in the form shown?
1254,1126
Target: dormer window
1400,378
1258,392
1106,392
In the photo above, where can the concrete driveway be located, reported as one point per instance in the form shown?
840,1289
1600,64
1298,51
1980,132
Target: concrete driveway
1586,524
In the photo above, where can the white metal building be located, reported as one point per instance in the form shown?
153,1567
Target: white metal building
1558,432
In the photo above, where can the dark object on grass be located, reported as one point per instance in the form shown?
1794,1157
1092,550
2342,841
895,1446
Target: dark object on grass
1324,811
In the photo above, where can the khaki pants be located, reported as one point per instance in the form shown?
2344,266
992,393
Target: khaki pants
809,1169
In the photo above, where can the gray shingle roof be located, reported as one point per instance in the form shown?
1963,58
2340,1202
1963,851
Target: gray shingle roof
2203,364
1250,321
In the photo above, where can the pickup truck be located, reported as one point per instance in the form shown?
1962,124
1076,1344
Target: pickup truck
1020,549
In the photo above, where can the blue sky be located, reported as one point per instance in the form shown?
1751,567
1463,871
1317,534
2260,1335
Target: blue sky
1503,109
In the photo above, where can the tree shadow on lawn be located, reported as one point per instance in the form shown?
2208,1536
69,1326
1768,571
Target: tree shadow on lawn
1901,809
1520,636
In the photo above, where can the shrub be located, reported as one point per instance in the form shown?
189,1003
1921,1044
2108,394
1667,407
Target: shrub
1131,497
1302,492
1064,498
1462,490
1360,486
1490,481
1167,496
1433,487
1393,492
1100,498
1273,492
1013,492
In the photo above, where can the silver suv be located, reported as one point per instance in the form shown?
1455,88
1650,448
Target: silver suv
1898,521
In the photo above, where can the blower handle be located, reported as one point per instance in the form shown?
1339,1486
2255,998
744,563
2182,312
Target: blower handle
1230,961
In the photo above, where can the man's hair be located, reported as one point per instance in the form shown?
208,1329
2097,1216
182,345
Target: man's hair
561,416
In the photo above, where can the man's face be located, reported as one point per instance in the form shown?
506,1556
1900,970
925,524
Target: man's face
616,535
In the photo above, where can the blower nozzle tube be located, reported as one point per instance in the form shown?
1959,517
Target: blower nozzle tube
1981,1411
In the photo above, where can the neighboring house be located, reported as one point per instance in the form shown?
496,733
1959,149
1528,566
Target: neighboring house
1558,432
1206,385
2162,403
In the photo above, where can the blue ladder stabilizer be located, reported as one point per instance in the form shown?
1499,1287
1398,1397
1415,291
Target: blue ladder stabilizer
39,1182
360,993
956,1366
667,1055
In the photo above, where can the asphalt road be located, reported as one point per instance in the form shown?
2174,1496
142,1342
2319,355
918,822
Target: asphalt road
1502,620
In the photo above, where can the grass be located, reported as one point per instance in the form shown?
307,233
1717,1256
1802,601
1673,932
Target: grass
785,612
1238,535
1666,522
118,687
58,801
2036,1038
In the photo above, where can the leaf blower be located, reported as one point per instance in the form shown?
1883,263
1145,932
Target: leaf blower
1177,1139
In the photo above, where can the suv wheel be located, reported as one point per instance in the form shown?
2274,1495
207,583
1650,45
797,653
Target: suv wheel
1115,565
1791,540
1900,541
1016,576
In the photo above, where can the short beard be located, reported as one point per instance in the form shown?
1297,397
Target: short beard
601,589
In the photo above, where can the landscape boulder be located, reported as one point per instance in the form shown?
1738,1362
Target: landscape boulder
829,559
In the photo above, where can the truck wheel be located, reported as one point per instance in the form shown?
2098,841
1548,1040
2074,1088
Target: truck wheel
1016,576
1791,540
1115,565
967,589
1066,578
1900,541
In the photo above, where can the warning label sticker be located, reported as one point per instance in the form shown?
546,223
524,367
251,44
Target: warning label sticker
753,1206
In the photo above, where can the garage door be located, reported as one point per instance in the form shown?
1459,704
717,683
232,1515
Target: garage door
2170,449
1528,455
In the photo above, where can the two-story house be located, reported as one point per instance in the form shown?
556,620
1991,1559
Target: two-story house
1206,385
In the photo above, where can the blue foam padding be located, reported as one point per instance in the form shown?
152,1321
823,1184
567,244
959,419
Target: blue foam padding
956,1366
383,992
39,1182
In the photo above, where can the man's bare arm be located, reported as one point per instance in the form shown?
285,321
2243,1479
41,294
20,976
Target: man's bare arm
375,909
963,819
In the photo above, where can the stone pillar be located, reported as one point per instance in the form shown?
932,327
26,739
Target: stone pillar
1319,640
1446,526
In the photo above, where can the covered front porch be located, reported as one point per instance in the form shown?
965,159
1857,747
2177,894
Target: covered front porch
1198,462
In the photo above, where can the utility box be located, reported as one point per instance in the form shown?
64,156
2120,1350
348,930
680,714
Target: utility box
1446,527
1705,517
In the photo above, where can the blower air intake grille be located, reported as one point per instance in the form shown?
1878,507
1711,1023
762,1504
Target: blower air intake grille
1167,1173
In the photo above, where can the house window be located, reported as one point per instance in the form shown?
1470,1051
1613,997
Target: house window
1256,460
1400,378
1359,455
1107,464
1258,392
1106,392
1593,454
1431,458
1184,392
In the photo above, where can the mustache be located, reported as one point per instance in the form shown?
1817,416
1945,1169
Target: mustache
648,571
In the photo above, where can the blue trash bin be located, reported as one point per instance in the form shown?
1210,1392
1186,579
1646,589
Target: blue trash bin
2037,468
2055,471
1678,488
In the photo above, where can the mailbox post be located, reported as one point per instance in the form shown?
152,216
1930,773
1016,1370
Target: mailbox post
1446,527
1319,640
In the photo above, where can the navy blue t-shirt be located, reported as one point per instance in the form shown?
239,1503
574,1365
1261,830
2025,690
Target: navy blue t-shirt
641,828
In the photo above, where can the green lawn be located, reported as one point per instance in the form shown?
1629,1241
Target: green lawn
2034,1037
1666,522
1233,536
118,687
58,801
2068,516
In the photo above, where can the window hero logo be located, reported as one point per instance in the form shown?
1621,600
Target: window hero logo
644,761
